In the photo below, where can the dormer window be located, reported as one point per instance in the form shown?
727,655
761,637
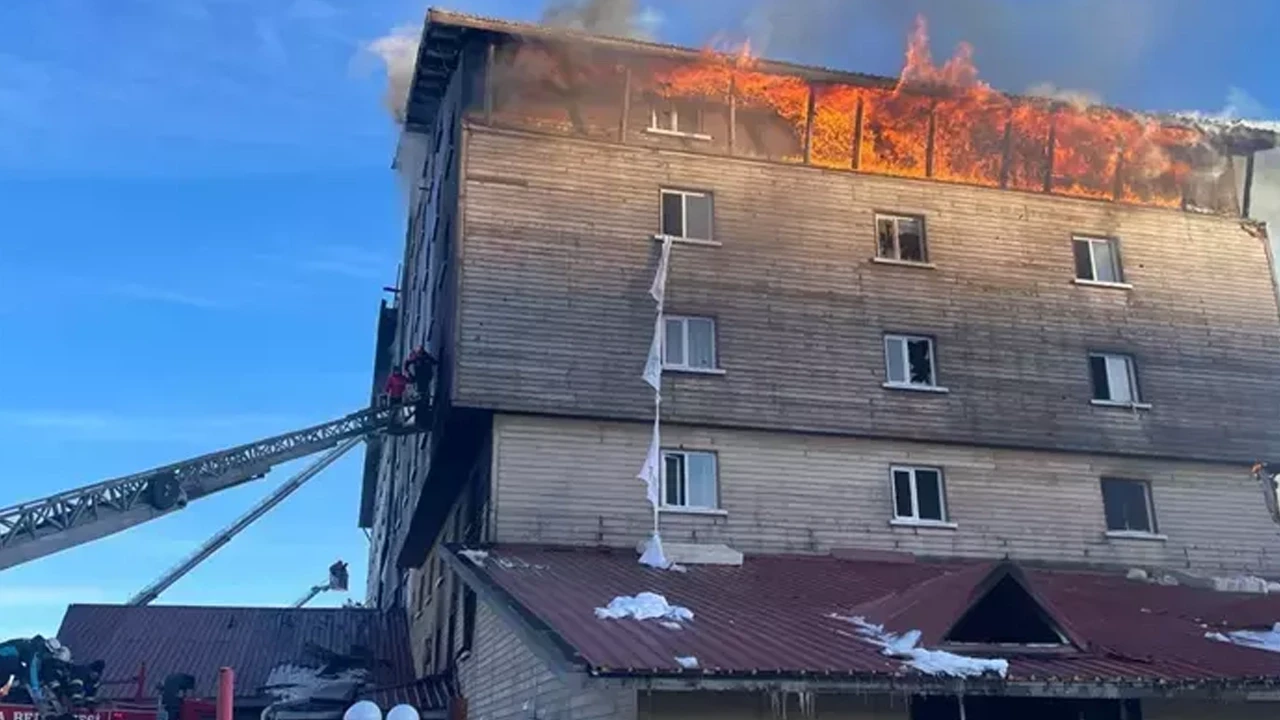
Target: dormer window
1007,614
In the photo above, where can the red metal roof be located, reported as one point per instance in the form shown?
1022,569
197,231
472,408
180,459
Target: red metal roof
252,641
773,616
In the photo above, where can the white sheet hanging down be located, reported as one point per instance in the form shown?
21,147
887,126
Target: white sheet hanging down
651,471
644,606
930,662
658,290
653,363
654,556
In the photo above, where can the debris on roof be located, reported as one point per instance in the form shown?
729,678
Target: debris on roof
1268,640
477,557
645,606
930,662
688,662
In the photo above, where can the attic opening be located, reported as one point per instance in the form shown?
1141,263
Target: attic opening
1006,615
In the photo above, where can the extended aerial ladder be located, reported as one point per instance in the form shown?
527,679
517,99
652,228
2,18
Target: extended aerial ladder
34,529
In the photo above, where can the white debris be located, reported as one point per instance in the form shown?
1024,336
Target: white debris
645,606
653,555
1136,574
1268,640
293,682
477,557
1241,584
930,662
671,625
688,663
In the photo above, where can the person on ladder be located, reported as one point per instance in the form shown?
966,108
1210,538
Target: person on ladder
421,369
393,391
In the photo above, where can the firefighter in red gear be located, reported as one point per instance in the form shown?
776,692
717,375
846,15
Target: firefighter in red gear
397,383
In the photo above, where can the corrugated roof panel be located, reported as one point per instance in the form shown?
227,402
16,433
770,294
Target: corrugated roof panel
252,641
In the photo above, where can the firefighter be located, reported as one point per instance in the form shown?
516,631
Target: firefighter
421,369
397,383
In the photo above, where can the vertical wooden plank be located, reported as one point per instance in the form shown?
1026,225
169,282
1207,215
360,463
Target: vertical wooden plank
1246,200
733,113
1053,142
488,83
857,134
933,129
1006,158
808,126
626,106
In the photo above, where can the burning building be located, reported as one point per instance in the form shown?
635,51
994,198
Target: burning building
958,394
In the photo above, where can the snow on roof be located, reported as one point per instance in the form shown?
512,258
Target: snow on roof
645,606
929,662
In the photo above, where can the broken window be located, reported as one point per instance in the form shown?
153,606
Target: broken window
1128,505
689,343
686,214
901,237
1115,378
1097,260
918,494
689,480
679,118
909,361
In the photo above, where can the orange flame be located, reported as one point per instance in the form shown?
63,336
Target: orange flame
945,123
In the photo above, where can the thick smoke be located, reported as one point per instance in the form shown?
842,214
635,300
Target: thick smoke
616,18
398,50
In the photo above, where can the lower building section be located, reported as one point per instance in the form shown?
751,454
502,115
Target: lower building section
574,482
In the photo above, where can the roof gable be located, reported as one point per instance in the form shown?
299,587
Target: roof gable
1006,611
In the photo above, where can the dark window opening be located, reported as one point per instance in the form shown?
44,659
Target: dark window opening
1114,378
686,214
468,618
1097,260
1128,505
1007,614
909,360
901,237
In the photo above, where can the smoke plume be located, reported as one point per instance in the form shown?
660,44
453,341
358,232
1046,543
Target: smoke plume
616,18
398,50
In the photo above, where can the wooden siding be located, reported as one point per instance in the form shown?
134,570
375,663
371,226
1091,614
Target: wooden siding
562,481
503,680
555,317
760,706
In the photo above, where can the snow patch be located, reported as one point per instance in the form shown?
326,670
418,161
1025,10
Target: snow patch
668,624
931,662
1268,640
477,557
688,663
1241,584
645,606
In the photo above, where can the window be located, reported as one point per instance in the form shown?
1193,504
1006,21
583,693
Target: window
901,237
1128,506
689,480
676,118
918,494
686,214
1115,378
1097,260
689,343
909,361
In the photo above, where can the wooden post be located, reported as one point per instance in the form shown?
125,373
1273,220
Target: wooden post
226,693
1006,159
857,134
1117,187
489,55
808,125
928,148
1246,199
1053,141
626,106
733,113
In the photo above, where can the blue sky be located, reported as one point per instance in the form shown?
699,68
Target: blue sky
197,216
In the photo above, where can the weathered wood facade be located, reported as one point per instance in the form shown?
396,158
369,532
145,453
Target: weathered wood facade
572,482
559,252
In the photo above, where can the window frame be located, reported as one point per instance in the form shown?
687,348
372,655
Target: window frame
1148,496
685,194
897,259
655,127
914,518
1137,396
1117,259
907,384
686,508
684,366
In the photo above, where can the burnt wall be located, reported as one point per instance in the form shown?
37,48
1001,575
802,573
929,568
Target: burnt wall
730,105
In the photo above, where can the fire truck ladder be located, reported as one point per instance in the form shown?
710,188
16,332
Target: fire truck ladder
42,527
